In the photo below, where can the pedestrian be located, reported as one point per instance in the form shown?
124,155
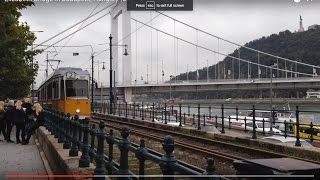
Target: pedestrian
29,110
39,116
19,121
10,114
3,120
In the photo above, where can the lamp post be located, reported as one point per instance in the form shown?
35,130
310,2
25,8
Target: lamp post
170,86
32,85
271,94
111,71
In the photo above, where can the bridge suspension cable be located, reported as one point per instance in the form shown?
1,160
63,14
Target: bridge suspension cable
258,51
219,53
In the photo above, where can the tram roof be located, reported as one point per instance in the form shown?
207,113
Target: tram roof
63,70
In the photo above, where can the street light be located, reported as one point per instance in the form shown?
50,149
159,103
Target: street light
170,86
32,85
271,94
126,54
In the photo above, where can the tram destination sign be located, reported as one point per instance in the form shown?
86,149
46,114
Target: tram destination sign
159,5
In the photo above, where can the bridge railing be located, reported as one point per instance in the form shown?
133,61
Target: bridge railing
252,120
78,136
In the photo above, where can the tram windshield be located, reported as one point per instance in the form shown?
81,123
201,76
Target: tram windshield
77,88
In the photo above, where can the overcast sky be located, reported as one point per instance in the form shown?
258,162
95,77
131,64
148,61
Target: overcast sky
240,21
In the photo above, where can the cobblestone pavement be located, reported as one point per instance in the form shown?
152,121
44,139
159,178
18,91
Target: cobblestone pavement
20,159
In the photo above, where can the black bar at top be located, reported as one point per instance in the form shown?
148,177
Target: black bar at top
159,5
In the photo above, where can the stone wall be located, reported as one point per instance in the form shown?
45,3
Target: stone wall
59,160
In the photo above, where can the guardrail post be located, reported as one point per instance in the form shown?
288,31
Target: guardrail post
285,129
298,143
100,165
180,114
167,159
152,112
263,131
193,120
237,114
165,113
124,149
222,119
92,152
245,124
204,120
110,141
134,110
74,147
199,128
140,154
216,118
80,125
254,135
66,144
126,109
85,159
142,111
61,137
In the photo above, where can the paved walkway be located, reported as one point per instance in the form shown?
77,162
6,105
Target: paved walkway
20,159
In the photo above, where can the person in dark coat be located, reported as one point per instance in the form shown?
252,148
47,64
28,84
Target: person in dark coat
39,116
19,121
10,114
3,121
29,110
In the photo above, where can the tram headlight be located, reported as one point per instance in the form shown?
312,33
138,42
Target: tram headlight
77,110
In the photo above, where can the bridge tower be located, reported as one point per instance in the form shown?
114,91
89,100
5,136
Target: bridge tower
121,9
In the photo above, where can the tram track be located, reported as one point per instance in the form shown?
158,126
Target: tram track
221,151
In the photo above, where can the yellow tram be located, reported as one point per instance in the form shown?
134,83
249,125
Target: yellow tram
66,90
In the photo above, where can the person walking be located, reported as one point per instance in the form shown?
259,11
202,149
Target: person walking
3,121
39,116
19,121
10,114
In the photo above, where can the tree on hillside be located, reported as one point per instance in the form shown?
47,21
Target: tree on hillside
16,39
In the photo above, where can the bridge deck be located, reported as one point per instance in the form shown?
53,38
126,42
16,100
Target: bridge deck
17,159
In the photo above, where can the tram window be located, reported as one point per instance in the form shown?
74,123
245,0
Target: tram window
49,91
56,90
62,89
76,88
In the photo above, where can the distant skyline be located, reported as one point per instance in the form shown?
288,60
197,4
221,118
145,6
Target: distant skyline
240,21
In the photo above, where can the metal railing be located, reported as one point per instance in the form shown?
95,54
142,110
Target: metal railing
260,121
76,133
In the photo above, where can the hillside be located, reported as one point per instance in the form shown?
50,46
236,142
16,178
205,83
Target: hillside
303,47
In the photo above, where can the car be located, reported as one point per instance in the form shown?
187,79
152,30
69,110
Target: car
259,127
290,141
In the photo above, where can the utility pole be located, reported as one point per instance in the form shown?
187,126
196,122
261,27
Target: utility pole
92,85
111,94
207,72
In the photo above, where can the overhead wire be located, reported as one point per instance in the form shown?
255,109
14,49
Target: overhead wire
61,32
79,27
